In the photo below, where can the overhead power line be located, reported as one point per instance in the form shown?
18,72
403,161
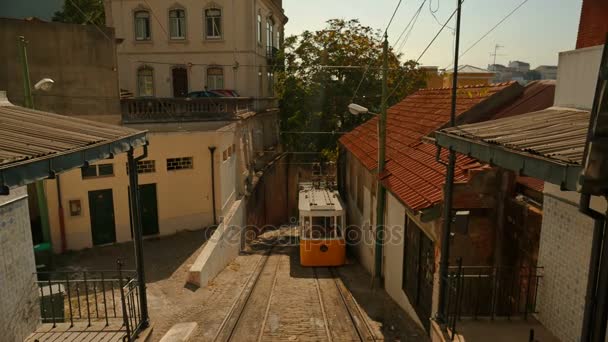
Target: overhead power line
393,16
371,60
410,25
422,54
491,30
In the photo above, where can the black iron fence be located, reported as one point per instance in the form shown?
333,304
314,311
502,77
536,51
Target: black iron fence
491,292
104,299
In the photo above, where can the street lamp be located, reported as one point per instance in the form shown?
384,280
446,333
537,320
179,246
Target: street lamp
44,84
356,109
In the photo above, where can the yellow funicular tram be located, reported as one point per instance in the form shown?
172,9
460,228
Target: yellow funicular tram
321,224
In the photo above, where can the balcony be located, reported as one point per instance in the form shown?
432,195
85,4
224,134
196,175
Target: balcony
163,110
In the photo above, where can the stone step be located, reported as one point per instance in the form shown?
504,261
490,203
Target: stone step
181,332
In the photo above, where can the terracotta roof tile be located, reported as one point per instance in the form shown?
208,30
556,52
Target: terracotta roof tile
412,173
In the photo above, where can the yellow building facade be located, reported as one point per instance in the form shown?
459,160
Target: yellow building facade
176,185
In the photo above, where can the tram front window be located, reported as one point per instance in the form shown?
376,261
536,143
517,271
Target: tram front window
322,227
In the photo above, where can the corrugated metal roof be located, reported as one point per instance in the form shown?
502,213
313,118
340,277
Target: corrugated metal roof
555,133
30,135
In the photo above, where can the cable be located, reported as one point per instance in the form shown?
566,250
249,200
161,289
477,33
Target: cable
409,23
421,55
371,59
491,30
155,17
393,16
89,20
413,23
433,13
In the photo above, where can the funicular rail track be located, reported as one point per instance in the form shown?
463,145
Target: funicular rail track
283,301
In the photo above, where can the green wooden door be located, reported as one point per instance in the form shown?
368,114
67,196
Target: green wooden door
101,209
149,209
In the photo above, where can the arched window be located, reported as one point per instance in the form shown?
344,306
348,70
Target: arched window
259,29
213,23
215,78
145,81
177,24
142,25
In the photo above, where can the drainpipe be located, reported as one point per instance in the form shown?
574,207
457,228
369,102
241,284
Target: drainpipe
448,189
138,232
597,266
211,152
64,244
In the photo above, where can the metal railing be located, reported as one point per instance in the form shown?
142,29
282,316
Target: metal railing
491,292
160,110
108,299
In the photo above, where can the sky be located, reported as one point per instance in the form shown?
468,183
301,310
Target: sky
535,33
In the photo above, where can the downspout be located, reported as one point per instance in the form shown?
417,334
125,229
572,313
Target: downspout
597,258
212,152
64,244
448,189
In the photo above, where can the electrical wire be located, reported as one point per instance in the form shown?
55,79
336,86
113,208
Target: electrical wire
89,20
413,22
371,59
393,16
421,55
408,24
491,30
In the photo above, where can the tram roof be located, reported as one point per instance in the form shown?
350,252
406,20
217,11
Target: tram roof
319,199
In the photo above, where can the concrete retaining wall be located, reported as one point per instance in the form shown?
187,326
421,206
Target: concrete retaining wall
221,249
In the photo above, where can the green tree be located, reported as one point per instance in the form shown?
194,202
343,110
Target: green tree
315,88
81,12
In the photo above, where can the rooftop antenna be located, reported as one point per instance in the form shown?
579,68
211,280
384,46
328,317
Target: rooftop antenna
496,48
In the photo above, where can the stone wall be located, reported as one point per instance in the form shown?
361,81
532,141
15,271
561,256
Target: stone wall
565,249
19,310
81,59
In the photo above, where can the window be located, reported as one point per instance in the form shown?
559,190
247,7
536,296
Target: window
142,25
259,28
213,19
144,166
145,81
174,164
215,78
177,24
269,33
99,170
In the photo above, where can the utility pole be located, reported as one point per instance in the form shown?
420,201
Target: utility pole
28,102
381,193
448,188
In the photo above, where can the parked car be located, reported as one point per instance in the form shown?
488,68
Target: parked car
201,94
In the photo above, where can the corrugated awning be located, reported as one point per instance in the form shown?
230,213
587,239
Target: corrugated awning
35,145
548,144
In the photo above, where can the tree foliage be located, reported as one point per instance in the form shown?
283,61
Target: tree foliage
81,12
314,95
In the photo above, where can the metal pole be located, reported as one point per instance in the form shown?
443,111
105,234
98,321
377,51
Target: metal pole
28,102
601,308
449,183
137,236
381,194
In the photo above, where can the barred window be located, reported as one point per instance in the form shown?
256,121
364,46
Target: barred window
99,170
174,164
144,166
